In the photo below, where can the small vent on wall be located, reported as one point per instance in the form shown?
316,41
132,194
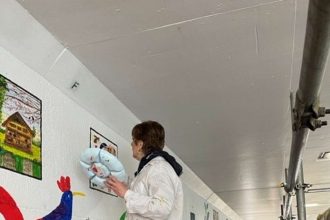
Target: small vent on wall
324,156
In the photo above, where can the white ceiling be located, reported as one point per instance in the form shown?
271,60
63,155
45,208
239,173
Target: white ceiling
216,73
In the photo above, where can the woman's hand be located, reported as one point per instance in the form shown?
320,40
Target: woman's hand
115,185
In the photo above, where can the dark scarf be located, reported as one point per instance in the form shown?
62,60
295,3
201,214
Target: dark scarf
170,159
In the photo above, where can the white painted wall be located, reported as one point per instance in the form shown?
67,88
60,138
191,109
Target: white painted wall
31,57
65,128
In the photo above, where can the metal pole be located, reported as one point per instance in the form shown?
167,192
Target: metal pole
287,200
315,55
298,143
318,190
301,208
290,215
315,50
287,205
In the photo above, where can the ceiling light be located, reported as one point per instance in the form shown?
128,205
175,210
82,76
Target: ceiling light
309,205
324,156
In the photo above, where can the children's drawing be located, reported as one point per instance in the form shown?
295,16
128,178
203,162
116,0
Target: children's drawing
215,215
192,216
8,207
64,210
99,141
207,212
10,211
20,130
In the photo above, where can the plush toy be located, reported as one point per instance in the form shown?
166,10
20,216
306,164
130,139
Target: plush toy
98,164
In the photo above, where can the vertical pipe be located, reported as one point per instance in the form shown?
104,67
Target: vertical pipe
290,214
287,205
301,208
287,200
299,139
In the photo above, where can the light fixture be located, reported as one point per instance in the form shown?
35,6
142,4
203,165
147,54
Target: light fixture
324,156
75,85
309,205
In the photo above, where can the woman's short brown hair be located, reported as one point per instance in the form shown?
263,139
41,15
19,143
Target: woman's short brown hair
324,216
151,133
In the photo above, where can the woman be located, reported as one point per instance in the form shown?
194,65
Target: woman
324,216
156,191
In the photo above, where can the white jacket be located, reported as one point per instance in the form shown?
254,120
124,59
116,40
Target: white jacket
155,193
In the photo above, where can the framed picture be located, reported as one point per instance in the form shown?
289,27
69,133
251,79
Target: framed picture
97,140
192,216
207,212
20,130
215,215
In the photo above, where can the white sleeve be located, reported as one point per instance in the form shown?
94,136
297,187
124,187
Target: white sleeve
159,203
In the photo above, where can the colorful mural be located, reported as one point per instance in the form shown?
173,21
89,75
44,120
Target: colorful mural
64,210
20,130
10,211
8,206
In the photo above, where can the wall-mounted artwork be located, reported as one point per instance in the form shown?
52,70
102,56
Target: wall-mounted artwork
20,130
98,140
8,206
10,211
207,212
64,209
192,216
215,215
